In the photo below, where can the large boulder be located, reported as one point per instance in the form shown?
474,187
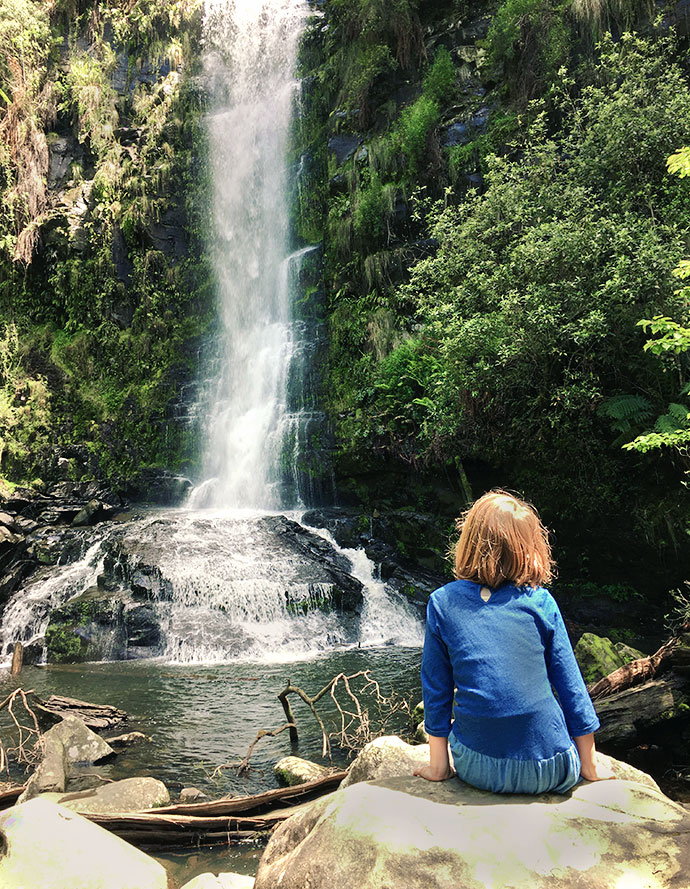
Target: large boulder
398,830
385,758
44,845
598,656
80,744
69,742
405,831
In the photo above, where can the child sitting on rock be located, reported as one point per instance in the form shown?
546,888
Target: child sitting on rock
495,650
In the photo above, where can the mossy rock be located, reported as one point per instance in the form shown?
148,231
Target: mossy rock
598,656
87,628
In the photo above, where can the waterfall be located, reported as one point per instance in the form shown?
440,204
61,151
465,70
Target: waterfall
250,59
220,579
224,586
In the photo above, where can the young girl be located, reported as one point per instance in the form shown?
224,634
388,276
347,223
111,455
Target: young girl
495,650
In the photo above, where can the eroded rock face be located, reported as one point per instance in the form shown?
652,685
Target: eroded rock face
405,831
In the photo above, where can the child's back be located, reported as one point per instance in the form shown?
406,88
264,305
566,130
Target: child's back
492,653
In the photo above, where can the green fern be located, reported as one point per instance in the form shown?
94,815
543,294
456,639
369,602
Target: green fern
626,411
674,420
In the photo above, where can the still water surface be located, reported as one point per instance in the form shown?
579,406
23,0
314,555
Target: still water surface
200,717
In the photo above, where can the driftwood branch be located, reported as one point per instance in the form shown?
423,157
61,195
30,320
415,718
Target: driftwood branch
29,746
356,725
243,767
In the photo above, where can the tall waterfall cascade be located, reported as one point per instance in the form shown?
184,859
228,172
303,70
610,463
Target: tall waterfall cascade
252,429
224,578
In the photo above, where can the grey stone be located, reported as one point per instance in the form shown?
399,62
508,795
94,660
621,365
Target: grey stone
50,776
128,739
191,795
80,743
343,147
128,795
48,847
385,758
292,770
88,515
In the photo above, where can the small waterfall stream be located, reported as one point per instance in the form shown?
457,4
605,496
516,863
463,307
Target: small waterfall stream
224,587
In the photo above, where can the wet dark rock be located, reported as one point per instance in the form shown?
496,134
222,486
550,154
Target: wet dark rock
90,514
123,271
142,626
57,546
119,79
347,590
160,487
169,233
102,625
89,627
344,146
12,579
457,133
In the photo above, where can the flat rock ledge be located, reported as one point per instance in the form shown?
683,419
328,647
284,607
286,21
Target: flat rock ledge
404,831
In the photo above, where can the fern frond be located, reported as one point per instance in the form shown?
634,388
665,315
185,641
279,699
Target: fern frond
626,411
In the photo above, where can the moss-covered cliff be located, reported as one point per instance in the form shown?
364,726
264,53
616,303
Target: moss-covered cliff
489,184
104,288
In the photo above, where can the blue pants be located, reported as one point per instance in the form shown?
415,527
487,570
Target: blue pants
558,774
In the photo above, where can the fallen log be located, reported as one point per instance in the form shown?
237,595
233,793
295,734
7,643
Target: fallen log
642,669
222,822
95,716
257,803
630,716
10,796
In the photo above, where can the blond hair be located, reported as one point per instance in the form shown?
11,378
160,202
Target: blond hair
502,540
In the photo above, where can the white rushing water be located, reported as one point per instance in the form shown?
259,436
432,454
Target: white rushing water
250,60
225,586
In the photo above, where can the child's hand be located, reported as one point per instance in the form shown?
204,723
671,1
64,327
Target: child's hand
430,774
596,770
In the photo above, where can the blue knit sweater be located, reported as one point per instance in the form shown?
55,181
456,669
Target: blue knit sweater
504,658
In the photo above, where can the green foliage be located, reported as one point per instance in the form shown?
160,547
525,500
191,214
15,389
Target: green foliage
106,319
417,123
89,92
439,82
530,40
525,319
369,39
25,413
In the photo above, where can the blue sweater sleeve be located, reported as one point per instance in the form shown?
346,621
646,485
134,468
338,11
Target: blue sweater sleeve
566,678
437,678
